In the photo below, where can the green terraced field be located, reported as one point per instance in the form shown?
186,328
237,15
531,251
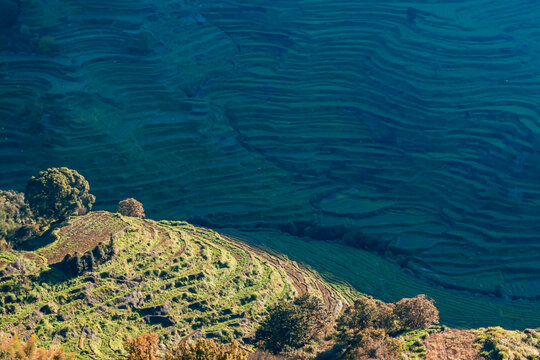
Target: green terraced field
169,277
415,122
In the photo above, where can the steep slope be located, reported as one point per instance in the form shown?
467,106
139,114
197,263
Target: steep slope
416,122
169,277
180,280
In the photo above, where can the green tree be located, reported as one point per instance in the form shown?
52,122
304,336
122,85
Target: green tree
80,266
99,253
110,250
92,265
57,193
293,324
14,213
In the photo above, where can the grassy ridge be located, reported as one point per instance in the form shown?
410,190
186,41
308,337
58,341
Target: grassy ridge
179,280
169,277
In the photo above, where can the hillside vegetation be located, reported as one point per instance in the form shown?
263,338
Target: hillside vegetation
168,277
101,285
182,281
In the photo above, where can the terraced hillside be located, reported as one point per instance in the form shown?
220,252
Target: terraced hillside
169,277
413,122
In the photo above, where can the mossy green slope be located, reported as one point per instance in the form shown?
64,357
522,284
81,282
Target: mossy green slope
169,277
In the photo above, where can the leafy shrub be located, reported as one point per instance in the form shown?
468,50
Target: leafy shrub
143,347
373,344
14,213
24,232
57,193
11,348
4,245
293,324
366,313
131,207
418,312
78,264
206,349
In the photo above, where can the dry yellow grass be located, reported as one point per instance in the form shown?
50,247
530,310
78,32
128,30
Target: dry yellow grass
452,344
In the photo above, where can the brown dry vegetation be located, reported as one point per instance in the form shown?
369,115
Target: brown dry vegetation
143,347
12,348
131,207
206,349
452,344
418,312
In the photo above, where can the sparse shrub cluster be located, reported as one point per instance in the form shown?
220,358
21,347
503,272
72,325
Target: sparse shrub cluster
501,344
369,327
78,264
12,348
53,195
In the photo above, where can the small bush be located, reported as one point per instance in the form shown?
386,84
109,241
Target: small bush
366,313
143,347
11,348
418,312
373,344
292,325
206,349
24,232
131,207
78,264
